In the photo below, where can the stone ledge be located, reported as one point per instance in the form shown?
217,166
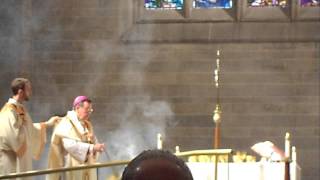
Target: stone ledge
306,31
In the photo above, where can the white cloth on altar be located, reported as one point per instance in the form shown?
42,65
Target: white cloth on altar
246,170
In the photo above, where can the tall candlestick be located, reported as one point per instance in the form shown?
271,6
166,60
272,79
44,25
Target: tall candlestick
218,64
216,77
217,112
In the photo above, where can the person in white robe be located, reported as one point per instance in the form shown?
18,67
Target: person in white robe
21,140
73,143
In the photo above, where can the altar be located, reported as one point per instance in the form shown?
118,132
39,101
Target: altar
245,170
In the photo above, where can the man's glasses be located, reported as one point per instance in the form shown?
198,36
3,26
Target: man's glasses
88,110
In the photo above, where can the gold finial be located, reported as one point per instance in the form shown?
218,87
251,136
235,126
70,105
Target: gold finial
217,114
287,135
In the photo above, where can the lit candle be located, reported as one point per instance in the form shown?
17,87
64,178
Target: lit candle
159,141
177,149
287,145
294,154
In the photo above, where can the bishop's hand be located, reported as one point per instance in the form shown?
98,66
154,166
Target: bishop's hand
52,121
99,147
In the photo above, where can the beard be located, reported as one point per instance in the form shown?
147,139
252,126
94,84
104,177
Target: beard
26,97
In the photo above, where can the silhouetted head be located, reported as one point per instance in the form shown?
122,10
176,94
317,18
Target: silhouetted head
156,165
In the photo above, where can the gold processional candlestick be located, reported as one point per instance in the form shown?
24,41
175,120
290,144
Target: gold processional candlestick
217,111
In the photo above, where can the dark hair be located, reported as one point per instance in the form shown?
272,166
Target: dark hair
18,83
158,164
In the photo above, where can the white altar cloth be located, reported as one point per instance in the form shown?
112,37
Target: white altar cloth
247,171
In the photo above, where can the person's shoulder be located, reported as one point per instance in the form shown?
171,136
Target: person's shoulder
63,126
9,109
63,123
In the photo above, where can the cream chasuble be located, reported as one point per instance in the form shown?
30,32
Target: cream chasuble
20,139
71,146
